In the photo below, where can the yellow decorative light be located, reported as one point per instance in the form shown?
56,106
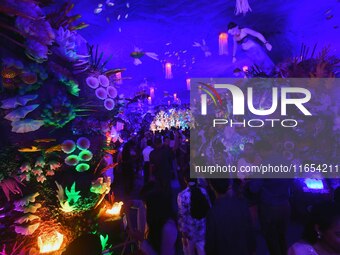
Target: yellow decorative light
49,242
115,210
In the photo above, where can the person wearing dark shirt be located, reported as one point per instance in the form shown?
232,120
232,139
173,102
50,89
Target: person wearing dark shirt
228,225
274,206
128,165
161,165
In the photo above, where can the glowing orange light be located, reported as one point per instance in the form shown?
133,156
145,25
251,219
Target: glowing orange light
108,138
223,44
49,242
168,71
245,69
149,100
115,210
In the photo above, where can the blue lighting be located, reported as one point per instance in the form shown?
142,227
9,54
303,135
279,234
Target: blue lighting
314,184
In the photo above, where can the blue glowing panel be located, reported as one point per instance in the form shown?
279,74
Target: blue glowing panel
314,184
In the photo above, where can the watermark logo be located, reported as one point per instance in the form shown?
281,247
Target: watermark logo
238,99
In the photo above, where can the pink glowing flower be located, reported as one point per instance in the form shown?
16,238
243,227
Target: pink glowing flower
24,177
37,171
40,162
41,178
25,167
49,173
54,165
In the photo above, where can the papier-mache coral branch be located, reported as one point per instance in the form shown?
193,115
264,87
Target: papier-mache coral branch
11,186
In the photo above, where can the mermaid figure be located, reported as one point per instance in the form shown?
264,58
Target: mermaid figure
255,52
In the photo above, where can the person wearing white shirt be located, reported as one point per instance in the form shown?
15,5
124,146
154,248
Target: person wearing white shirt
146,158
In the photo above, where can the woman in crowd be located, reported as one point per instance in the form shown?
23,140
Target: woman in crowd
322,233
193,205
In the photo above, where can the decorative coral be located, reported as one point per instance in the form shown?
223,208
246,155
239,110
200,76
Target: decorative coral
59,112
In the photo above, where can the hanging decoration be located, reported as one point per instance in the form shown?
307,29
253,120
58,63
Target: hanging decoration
168,71
223,44
242,7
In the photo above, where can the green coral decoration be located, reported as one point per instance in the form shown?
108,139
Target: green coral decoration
59,112
82,167
72,195
71,86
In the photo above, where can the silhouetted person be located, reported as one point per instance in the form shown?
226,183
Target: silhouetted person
146,158
274,206
161,165
128,165
228,225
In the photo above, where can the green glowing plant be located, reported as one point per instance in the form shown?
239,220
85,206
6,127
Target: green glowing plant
72,195
82,167
103,241
66,207
71,86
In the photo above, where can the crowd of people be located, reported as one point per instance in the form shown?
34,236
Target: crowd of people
219,216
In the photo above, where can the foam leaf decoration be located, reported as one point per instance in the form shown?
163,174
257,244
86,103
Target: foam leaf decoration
103,241
10,186
13,102
25,167
27,218
66,207
40,162
26,231
28,209
25,201
20,112
41,178
60,192
27,125
72,194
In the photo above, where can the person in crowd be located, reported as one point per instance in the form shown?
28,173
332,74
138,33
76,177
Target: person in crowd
183,158
146,158
274,207
169,144
321,235
248,158
128,166
337,196
228,223
161,235
143,143
161,165
193,205
87,244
